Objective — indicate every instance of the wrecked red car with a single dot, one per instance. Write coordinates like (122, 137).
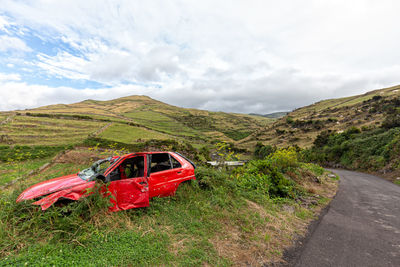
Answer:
(132, 179)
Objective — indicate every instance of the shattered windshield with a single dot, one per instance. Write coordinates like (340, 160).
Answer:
(99, 167)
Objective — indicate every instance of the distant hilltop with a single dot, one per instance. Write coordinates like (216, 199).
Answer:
(274, 115)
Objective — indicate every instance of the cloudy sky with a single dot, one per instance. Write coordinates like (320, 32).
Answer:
(239, 56)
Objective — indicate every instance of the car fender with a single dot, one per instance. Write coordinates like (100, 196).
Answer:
(71, 193)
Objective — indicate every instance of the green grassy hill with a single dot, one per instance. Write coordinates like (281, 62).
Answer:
(302, 126)
(129, 120)
(227, 217)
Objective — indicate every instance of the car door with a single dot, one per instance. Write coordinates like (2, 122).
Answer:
(128, 193)
(160, 171)
(166, 173)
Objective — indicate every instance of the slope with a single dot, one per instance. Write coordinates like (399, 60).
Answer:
(301, 126)
(129, 119)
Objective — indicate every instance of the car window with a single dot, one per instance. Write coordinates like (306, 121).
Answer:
(129, 168)
(175, 163)
(134, 167)
(160, 162)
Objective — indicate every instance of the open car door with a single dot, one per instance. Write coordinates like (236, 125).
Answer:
(128, 184)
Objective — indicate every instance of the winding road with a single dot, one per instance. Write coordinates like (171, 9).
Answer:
(361, 227)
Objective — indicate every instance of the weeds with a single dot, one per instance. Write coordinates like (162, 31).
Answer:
(182, 230)
(21, 153)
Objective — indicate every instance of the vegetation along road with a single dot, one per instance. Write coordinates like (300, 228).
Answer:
(361, 228)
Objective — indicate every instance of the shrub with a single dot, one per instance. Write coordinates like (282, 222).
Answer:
(371, 149)
(391, 121)
(284, 159)
(322, 139)
(279, 131)
(261, 151)
(209, 178)
(263, 176)
(289, 120)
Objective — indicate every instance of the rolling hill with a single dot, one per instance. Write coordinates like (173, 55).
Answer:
(224, 218)
(301, 126)
(130, 120)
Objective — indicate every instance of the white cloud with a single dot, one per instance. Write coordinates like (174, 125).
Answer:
(247, 56)
(8, 43)
(284, 89)
(3, 23)
(9, 77)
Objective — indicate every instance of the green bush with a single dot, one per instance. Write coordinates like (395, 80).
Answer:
(392, 121)
(284, 159)
(261, 151)
(371, 149)
(210, 178)
(267, 175)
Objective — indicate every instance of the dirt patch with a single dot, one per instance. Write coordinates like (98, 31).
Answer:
(78, 157)
(391, 176)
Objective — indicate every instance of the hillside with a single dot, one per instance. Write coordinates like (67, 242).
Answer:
(227, 217)
(301, 126)
(129, 120)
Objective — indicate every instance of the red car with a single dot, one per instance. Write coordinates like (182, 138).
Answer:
(132, 180)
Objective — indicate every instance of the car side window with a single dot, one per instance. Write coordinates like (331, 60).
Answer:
(129, 168)
(175, 163)
(160, 162)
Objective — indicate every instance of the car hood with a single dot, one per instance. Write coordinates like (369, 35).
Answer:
(51, 186)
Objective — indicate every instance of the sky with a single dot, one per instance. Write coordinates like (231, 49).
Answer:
(243, 56)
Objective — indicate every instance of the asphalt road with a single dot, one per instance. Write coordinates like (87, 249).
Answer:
(361, 227)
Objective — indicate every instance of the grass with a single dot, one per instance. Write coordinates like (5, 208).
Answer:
(12, 171)
(27, 130)
(208, 222)
(161, 122)
(130, 134)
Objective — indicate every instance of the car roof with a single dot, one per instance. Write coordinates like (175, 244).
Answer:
(145, 153)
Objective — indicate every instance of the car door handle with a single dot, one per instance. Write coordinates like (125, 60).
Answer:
(179, 172)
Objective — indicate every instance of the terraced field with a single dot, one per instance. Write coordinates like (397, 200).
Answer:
(26, 130)
(160, 122)
(134, 119)
(130, 134)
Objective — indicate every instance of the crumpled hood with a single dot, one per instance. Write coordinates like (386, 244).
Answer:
(51, 186)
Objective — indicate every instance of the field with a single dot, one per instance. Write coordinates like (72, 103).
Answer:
(130, 134)
(133, 118)
(209, 222)
(26, 130)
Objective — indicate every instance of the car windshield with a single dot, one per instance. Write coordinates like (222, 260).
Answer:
(99, 167)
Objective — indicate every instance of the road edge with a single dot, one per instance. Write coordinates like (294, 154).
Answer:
(292, 254)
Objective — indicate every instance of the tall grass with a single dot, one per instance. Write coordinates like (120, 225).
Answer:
(179, 230)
